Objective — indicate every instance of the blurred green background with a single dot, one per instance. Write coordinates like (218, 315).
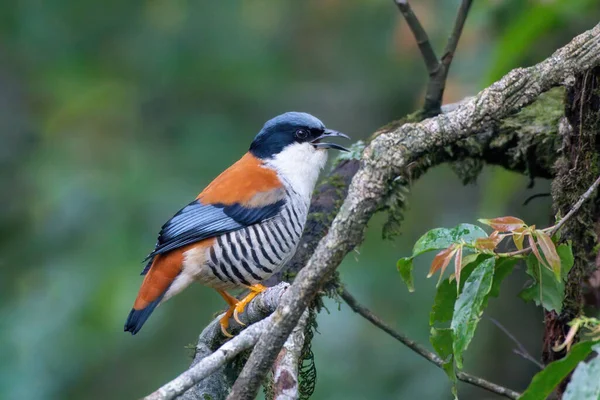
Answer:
(114, 114)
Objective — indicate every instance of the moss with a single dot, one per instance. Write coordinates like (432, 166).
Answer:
(467, 169)
(289, 276)
(542, 116)
(319, 217)
(340, 186)
(336, 182)
(355, 153)
(577, 168)
(417, 116)
(307, 369)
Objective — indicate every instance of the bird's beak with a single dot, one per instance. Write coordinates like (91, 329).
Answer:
(327, 134)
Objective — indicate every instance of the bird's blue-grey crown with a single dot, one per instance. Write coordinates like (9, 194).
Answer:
(290, 128)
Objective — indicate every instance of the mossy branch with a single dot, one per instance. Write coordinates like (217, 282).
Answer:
(388, 156)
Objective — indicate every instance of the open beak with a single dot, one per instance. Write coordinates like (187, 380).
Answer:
(327, 134)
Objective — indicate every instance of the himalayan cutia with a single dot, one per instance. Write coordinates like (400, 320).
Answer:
(245, 225)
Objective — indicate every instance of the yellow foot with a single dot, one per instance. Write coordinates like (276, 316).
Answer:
(241, 305)
(224, 321)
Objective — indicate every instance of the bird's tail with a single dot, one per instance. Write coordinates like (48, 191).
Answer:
(137, 318)
(160, 276)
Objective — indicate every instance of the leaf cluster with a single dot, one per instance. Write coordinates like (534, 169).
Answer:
(479, 269)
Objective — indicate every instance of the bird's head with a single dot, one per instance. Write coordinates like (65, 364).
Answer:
(294, 133)
(295, 144)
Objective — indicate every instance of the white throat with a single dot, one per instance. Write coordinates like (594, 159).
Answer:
(299, 165)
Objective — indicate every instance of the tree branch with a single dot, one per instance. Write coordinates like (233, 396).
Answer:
(388, 156)
(212, 355)
(431, 60)
(285, 369)
(437, 83)
(525, 142)
(211, 363)
(422, 351)
(437, 69)
(459, 23)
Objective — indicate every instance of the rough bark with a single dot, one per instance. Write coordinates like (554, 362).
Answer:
(212, 372)
(388, 156)
(285, 369)
(577, 168)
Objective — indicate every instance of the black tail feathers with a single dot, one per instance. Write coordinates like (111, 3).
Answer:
(137, 318)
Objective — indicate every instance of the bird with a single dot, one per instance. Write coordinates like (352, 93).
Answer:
(245, 225)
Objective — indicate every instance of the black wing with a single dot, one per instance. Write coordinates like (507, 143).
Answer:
(197, 221)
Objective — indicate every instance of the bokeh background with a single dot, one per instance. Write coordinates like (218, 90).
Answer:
(114, 114)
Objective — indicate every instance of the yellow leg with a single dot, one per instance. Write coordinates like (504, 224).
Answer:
(224, 321)
(241, 305)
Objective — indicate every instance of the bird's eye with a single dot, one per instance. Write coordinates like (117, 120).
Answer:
(301, 134)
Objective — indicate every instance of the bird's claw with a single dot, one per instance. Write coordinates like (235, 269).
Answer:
(224, 322)
(237, 307)
(236, 315)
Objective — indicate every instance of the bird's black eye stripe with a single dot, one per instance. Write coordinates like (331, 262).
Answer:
(302, 134)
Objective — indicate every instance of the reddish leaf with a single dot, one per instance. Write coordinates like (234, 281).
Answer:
(441, 260)
(549, 251)
(536, 252)
(458, 265)
(490, 242)
(504, 224)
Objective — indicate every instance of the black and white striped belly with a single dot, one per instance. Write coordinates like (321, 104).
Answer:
(251, 255)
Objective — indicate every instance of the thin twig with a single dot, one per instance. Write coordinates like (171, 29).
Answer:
(576, 206)
(422, 351)
(521, 351)
(535, 196)
(437, 83)
(431, 60)
(459, 23)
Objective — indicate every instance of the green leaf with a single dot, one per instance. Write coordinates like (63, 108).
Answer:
(585, 382)
(504, 267)
(405, 268)
(443, 304)
(441, 238)
(450, 370)
(469, 258)
(441, 340)
(468, 268)
(565, 253)
(469, 306)
(544, 382)
(445, 297)
(546, 290)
